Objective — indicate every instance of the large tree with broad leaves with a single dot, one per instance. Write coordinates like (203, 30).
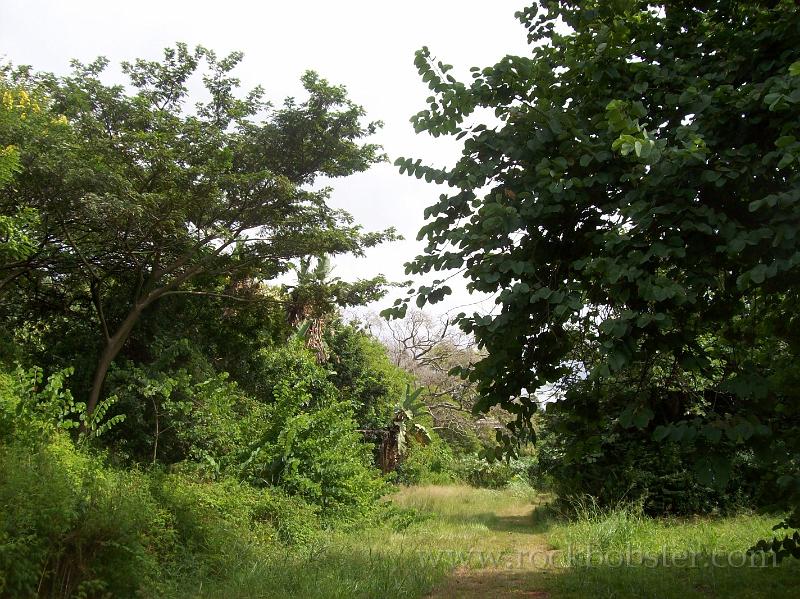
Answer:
(634, 207)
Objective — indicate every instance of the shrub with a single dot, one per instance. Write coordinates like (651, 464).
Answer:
(431, 464)
(306, 440)
(633, 468)
(495, 474)
(219, 524)
(70, 525)
(178, 408)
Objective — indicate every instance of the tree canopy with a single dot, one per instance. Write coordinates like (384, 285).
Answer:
(634, 209)
(140, 196)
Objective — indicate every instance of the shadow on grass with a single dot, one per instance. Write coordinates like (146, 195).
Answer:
(537, 521)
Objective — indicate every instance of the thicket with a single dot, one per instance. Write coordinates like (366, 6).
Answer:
(165, 415)
(224, 479)
(232, 477)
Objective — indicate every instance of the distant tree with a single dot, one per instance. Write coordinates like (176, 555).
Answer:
(316, 298)
(143, 197)
(360, 368)
(634, 206)
(430, 348)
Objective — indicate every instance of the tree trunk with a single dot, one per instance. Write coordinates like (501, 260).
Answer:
(112, 348)
(115, 342)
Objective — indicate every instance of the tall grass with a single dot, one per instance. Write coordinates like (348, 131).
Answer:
(336, 571)
(622, 553)
(388, 560)
(591, 528)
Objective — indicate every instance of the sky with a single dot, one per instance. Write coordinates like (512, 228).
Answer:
(367, 46)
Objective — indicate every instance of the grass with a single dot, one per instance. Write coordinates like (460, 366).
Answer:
(452, 527)
(338, 570)
(466, 542)
(622, 553)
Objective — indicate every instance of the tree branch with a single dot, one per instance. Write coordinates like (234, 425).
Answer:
(98, 306)
(212, 294)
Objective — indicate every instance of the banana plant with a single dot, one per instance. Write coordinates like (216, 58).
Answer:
(311, 303)
(405, 417)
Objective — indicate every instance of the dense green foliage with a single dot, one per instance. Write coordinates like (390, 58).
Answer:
(192, 421)
(365, 377)
(174, 423)
(182, 425)
(75, 526)
(140, 198)
(306, 441)
(634, 208)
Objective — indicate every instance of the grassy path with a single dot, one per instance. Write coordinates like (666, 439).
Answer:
(457, 542)
(503, 544)
(498, 549)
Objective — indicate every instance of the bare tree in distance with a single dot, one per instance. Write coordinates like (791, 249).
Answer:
(429, 347)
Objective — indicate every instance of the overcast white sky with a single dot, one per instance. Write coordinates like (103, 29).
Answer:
(368, 46)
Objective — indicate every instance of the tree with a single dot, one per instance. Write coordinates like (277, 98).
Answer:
(141, 197)
(429, 349)
(317, 296)
(18, 111)
(361, 370)
(634, 208)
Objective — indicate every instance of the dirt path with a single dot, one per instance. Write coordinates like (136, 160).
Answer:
(498, 547)
(509, 562)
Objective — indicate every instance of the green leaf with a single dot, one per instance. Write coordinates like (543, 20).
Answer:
(758, 274)
(712, 433)
(626, 417)
(642, 417)
(661, 432)
(785, 160)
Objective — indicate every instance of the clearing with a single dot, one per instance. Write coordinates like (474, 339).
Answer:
(456, 541)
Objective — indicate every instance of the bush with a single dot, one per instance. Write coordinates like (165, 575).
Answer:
(633, 468)
(495, 474)
(306, 440)
(70, 526)
(219, 524)
(178, 408)
(295, 433)
(32, 408)
(431, 464)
